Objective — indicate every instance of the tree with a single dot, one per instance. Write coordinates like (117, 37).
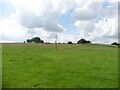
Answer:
(35, 40)
(88, 41)
(42, 41)
(115, 43)
(70, 42)
(83, 41)
(47, 43)
(28, 40)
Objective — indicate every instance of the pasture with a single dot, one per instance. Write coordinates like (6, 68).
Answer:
(71, 66)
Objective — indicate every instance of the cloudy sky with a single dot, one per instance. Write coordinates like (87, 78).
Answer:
(71, 20)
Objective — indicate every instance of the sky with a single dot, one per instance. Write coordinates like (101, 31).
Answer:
(71, 20)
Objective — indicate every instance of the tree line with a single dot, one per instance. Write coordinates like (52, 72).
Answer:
(81, 41)
(38, 40)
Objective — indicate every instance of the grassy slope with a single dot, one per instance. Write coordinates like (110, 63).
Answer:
(76, 66)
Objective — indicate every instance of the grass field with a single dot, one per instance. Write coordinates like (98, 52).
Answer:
(71, 66)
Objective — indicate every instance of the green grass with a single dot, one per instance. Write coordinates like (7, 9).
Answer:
(71, 66)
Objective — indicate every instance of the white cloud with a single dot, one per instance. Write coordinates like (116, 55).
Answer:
(90, 10)
(97, 24)
(62, 37)
(39, 13)
(40, 18)
(11, 31)
(106, 30)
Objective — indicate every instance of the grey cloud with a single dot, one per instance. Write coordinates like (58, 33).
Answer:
(111, 10)
(49, 21)
(30, 20)
(112, 36)
(53, 27)
(91, 12)
(105, 39)
(83, 15)
(52, 35)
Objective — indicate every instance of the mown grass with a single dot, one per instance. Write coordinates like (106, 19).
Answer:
(71, 66)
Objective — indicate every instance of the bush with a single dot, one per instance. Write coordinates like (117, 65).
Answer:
(115, 43)
(35, 40)
(83, 41)
(28, 40)
(70, 42)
